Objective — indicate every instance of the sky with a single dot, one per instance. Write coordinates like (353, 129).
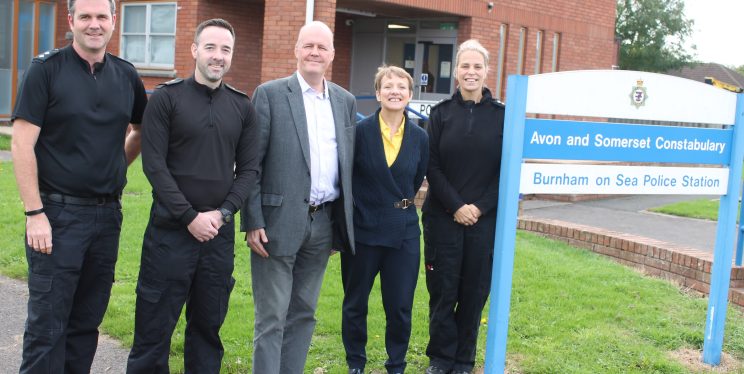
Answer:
(717, 32)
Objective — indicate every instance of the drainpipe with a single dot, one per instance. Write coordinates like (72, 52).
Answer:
(309, 9)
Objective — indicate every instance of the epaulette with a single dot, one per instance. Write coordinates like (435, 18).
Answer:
(236, 90)
(170, 82)
(119, 59)
(447, 100)
(43, 57)
(498, 103)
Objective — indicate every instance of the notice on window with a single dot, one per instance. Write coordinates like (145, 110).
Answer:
(444, 69)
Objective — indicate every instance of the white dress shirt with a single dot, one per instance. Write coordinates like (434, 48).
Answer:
(321, 131)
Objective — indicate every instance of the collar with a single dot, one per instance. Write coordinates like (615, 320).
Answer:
(486, 96)
(206, 89)
(97, 67)
(385, 128)
(305, 87)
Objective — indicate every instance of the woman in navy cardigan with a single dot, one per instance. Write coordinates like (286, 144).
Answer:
(390, 160)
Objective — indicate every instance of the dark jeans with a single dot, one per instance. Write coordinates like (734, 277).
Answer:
(398, 269)
(175, 269)
(458, 276)
(69, 289)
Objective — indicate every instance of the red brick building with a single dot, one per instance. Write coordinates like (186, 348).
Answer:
(526, 36)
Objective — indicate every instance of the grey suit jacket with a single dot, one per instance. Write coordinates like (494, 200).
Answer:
(279, 199)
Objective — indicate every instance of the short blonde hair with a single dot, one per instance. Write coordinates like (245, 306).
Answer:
(389, 71)
(471, 45)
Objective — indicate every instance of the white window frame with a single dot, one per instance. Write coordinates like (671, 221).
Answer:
(147, 34)
(556, 50)
(503, 34)
(520, 53)
(538, 51)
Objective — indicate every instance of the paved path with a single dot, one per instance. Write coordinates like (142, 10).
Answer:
(628, 214)
(110, 358)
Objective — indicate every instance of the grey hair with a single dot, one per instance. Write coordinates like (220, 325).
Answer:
(71, 6)
(472, 45)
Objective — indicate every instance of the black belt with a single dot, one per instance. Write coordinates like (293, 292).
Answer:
(75, 200)
(314, 208)
(403, 204)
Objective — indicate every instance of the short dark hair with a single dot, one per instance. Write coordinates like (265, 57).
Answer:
(216, 22)
(71, 6)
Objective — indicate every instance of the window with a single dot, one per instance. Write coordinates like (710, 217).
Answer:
(148, 34)
(520, 55)
(538, 51)
(503, 34)
(556, 50)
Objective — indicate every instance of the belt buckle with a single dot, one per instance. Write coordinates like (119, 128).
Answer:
(314, 208)
(403, 204)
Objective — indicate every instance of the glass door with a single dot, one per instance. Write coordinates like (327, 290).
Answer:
(434, 63)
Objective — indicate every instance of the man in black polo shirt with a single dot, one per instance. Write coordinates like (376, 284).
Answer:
(199, 154)
(70, 159)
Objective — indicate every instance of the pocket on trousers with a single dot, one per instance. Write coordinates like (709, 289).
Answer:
(150, 292)
(40, 311)
(225, 299)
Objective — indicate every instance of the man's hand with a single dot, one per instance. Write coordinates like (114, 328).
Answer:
(466, 216)
(39, 233)
(205, 226)
(256, 239)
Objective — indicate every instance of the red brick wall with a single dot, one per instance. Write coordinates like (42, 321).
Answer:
(266, 33)
(247, 19)
(342, 40)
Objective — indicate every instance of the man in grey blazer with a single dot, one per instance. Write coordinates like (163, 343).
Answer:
(300, 209)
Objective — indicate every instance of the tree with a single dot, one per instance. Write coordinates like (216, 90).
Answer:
(739, 69)
(652, 34)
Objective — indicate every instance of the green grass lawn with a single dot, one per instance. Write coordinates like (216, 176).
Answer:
(4, 142)
(699, 208)
(572, 311)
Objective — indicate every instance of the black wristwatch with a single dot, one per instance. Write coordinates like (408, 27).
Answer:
(227, 215)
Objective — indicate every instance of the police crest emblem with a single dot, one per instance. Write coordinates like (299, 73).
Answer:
(638, 94)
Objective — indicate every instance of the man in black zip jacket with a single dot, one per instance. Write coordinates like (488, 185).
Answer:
(198, 155)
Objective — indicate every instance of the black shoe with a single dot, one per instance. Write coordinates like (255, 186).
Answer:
(435, 370)
(356, 371)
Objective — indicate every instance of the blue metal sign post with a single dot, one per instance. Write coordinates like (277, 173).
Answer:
(624, 94)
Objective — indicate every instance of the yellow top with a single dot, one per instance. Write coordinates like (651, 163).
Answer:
(392, 146)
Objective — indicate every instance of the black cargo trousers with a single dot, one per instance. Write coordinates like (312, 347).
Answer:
(458, 261)
(176, 269)
(69, 289)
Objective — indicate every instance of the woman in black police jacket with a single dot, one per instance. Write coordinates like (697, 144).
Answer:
(459, 214)
(390, 160)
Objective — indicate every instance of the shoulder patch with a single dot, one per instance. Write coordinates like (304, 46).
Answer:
(170, 82)
(233, 89)
(43, 57)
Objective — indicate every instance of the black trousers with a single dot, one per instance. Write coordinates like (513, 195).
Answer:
(69, 289)
(398, 269)
(176, 269)
(458, 262)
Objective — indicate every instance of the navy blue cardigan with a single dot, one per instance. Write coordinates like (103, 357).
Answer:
(376, 187)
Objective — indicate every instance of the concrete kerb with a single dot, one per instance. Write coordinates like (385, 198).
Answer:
(687, 267)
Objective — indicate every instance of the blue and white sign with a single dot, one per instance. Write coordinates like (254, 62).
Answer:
(616, 94)
(424, 81)
(625, 180)
(569, 140)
